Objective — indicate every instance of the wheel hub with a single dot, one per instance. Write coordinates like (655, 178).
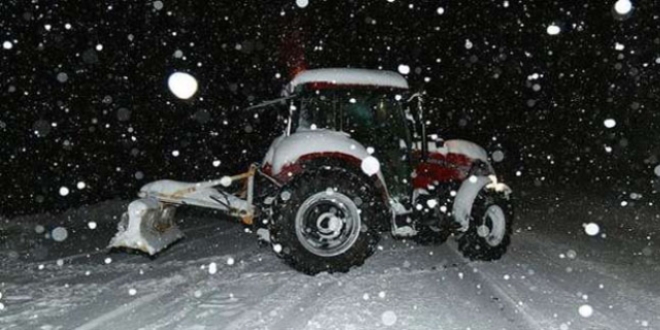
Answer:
(327, 223)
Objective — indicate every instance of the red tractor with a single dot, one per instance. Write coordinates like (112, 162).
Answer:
(354, 160)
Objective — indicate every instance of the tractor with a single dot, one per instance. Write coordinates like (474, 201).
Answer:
(354, 161)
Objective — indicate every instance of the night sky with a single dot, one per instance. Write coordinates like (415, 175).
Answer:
(84, 97)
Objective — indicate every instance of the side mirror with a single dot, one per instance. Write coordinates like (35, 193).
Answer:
(419, 118)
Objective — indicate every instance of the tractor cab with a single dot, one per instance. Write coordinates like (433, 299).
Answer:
(367, 105)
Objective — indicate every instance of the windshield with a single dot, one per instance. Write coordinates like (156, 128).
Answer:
(374, 119)
(354, 113)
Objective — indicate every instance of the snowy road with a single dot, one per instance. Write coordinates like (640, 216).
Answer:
(551, 275)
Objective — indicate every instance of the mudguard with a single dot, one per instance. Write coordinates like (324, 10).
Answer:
(467, 193)
(287, 152)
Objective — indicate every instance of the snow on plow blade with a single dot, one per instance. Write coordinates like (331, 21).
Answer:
(148, 226)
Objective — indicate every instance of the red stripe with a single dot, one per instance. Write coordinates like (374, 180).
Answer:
(290, 170)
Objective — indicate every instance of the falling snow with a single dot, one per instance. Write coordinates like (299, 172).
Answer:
(213, 268)
(586, 311)
(498, 156)
(553, 29)
(623, 7)
(609, 123)
(64, 191)
(226, 181)
(592, 229)
(62, 77)
(59, 234)
(302, 3)
(182, 85)
(388, 318)
(370, 165)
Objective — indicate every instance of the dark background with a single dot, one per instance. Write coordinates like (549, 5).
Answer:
(117, 124)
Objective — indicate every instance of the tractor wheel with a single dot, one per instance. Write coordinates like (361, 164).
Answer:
(489, 233)
(326, 220)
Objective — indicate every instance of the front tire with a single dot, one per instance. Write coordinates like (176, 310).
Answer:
(489, 233)
(326, 220)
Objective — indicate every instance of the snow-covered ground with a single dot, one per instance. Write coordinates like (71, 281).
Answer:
(555, 276)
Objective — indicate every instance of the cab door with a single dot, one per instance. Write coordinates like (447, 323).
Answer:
(377, 121)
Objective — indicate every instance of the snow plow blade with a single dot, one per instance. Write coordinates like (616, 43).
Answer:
(148, 226)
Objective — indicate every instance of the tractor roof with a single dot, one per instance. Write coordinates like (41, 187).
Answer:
(337, 78)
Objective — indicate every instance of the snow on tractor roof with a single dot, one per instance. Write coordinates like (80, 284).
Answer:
(349, 77)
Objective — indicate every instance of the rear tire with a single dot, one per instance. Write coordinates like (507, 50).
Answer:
(326, 220)
(489, 233)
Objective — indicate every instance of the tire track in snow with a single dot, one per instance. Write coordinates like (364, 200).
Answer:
(220, 302)
(124, 307)
(565, 290)
(298, 315)
(282, 305)
(175, 301)
(185, 301)
(528, 319)
(110, 317)
(48, 312)
(109, 277)
(618, 300)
